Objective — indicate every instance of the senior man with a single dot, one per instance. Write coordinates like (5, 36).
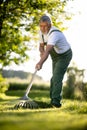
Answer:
(54, 43)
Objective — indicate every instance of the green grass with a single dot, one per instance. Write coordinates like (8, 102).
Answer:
(71, 116)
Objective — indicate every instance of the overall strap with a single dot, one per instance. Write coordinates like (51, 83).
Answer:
(49, 34)
(54, 31)
(45, 43)
(43, 38)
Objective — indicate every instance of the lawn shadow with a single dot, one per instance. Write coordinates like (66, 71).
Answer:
(42, 104)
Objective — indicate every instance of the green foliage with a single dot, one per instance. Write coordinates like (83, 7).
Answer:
(3, 85)
(19, 25)
(83, 91)
(68, 92)
(75, 87)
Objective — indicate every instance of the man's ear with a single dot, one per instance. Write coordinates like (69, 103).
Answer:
(49, 26)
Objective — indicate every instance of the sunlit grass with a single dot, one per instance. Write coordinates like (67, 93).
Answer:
(5, 97)
(71, 116)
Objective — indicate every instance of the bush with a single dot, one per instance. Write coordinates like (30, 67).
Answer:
(68, 92)
(3, 85)
(17, 86)
(23, 86)
(85, 91)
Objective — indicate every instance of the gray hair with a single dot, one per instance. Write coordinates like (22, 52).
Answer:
(45, 18)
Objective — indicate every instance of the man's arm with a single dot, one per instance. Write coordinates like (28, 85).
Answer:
(44, 56)
(41, 49)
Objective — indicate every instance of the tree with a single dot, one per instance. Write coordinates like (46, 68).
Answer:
(20, 16)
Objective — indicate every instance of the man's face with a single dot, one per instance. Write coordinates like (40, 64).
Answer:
(44, 27)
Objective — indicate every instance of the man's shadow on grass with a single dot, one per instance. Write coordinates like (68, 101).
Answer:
(43, 104)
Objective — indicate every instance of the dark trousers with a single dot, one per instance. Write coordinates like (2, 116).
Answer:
(60, 63)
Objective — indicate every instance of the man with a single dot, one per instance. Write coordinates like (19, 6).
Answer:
(54, 43)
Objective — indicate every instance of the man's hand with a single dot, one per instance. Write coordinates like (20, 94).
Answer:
(38, 66)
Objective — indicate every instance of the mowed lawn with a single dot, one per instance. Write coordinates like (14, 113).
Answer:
(71, 116)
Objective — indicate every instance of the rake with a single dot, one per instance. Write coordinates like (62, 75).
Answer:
(25, 101)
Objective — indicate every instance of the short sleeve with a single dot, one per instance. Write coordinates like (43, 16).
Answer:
(53, 38)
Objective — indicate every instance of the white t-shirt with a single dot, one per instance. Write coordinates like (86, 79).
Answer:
(57, 39)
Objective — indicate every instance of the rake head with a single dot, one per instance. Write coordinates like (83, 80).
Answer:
(26, 104)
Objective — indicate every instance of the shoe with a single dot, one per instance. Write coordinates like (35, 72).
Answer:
(56, 105)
